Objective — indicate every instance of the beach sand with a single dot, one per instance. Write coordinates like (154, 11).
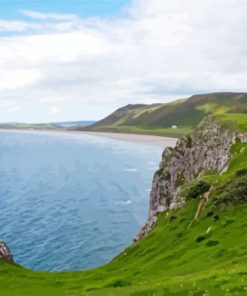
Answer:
(145, 139)
(157, 141)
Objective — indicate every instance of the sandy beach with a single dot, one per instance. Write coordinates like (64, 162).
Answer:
(145, 139)
(157, 141)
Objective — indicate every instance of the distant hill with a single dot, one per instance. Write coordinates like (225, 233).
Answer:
(52, 125)
(31, 126)
(74, 123)
(176, 118)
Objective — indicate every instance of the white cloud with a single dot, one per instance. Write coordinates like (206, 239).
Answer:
(52, 99)
(17, 26)
(12, 79)
(48, 16)
(88, 67)
(54, 110)
(13, 110)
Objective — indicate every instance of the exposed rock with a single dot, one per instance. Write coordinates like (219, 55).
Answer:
(5, 253)
(206, 150)
(243, 137)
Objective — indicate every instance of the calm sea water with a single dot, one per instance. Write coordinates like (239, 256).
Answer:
(70, 202)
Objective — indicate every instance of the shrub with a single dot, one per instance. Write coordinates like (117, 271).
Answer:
(198, 189)
(210, 214)
(216, 218)
(232, 192)
(172, 218)
(242, 172)
(200, 238)
(212, 243)
(118, 283)
(228, 222)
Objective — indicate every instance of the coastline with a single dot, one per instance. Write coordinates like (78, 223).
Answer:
(157, 141)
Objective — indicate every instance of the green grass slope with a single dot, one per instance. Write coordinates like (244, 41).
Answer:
(185, 114)
(181, 256)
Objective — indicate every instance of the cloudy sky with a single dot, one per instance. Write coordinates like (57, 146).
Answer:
(81, 59)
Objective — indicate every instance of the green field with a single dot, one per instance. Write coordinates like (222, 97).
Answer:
(168, 132)
(158, 119)
(240, 120)
(180, 256)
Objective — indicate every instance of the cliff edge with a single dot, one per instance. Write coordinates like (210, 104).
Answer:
(207, 149)
(5, 253)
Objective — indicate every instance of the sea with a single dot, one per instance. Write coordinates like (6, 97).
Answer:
(72, 201)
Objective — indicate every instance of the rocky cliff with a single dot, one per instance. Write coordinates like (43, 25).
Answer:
(206, 150)
(5, 253)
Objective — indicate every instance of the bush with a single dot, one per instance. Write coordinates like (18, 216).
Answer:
(198, 189)
(212, 243)
(232, 192)
(216, 218)
(200, 238)
(228, 222)
(118, 284)
(241, 173)
(172, 218)
(210, 214)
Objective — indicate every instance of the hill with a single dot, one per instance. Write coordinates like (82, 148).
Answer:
(25, 126)
(196, 244)
(183, 115)
(66, 125)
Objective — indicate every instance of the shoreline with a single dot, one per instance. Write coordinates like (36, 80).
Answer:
(157, 141)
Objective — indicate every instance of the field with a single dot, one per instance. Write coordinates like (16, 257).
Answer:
(168, 132)
(240, 120)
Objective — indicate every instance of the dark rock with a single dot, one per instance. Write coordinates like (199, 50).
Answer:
(5, 253)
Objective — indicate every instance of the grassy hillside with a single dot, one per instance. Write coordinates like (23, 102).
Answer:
(185, 114)
(181, 256)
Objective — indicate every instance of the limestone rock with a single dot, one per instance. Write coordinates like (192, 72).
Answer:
(5, 253)
(206, 150)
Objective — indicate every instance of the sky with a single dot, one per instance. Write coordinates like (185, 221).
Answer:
(82, 59)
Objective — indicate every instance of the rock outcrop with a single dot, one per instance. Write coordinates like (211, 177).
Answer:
(5, 253)
(208, 149)
(243, 137)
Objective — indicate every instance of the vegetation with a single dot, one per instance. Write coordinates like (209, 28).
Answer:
(182, 115)
(240, 120)
(168, 132)
(173, 119)
(198, 189)
(206, 258)
(232, 192)
(67, 125)
(25, 126)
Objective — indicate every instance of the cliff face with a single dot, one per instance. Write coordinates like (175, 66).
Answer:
(206, 150)
(5, 253)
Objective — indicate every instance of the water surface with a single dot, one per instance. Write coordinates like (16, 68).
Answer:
(71, 202)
